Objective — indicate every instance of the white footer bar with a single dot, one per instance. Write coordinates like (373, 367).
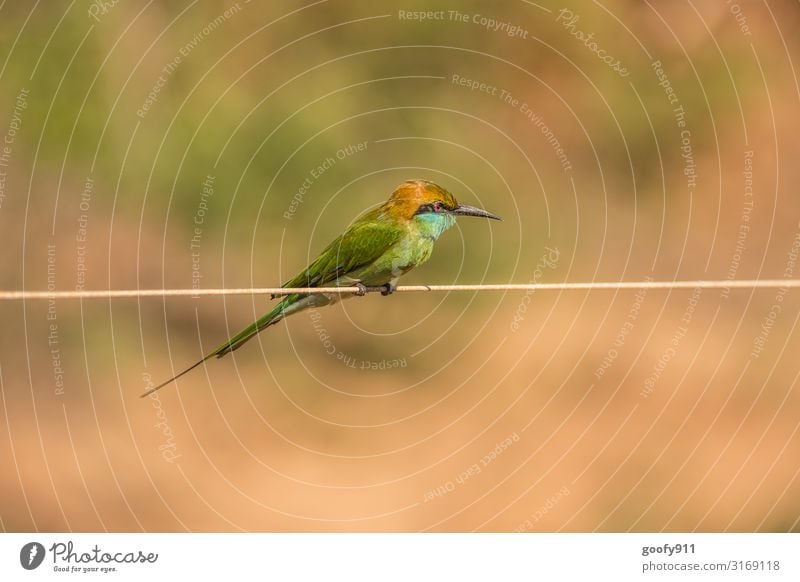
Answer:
(415, 557)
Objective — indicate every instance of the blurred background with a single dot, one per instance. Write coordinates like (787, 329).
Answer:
(210, 144)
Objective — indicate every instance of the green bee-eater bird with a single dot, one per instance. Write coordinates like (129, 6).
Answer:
(375, 251)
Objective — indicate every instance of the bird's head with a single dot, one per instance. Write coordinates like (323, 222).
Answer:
(430, 205)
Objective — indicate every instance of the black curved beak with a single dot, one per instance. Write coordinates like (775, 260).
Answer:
(466, 210)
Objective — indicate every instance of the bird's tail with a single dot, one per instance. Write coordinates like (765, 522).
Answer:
(236, 341)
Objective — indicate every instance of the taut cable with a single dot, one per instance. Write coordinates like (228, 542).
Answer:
(136, 293)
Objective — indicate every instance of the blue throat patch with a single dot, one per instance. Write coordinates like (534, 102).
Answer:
(432, 224)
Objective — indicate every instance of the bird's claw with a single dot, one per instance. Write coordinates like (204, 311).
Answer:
(362, 289)
(388, 289)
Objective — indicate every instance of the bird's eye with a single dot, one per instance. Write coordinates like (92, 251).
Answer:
(437, 207)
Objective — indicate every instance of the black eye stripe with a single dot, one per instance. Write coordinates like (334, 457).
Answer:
(435, 207)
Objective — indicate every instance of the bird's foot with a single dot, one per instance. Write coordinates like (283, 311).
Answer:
(362, 289)
(388, 289)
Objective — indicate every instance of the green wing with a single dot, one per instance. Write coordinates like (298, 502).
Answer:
(361, 244)
(364, 242)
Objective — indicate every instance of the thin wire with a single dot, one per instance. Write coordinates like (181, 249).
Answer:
(136, 293)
